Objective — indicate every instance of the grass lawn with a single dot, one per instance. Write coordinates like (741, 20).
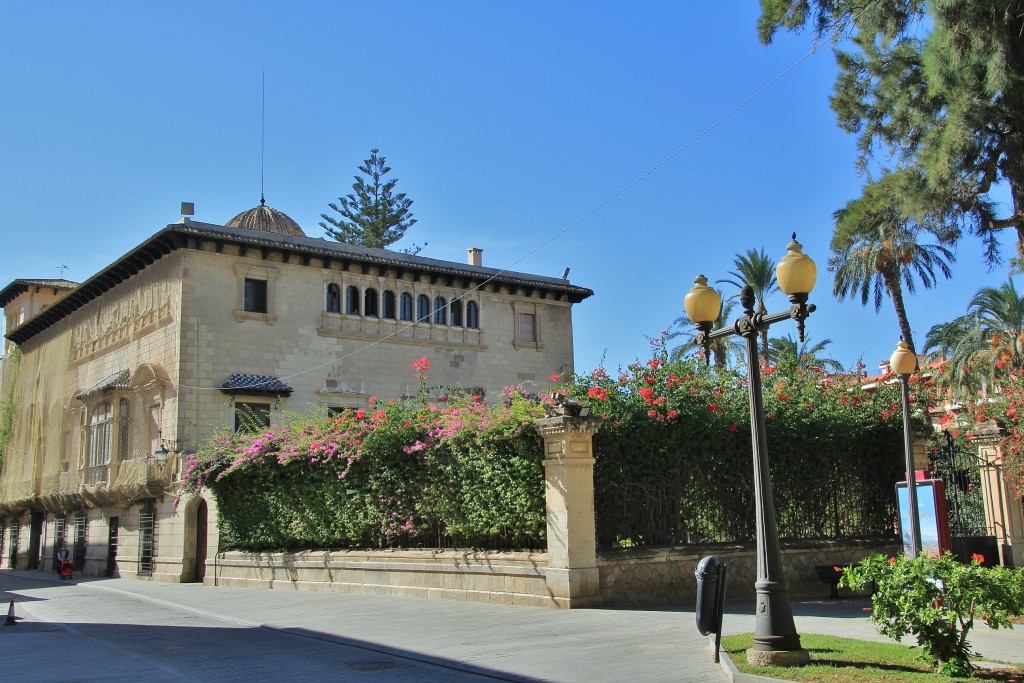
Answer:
(844, 660)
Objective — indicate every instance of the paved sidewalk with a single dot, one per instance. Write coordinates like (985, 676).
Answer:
(494, 641)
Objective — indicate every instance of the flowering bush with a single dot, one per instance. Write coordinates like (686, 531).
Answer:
(398, 474)
(673, 455)
(937, 599)
(1005, 403)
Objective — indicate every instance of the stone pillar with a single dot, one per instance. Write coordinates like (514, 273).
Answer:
(1004, 512)
(572, 576)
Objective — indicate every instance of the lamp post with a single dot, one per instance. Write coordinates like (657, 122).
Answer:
(776, 642)
(903, 362)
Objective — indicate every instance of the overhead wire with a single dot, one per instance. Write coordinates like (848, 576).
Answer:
(589, 214)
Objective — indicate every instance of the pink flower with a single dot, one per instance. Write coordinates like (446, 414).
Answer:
(422, 365)
(556, 376)
(360, 414)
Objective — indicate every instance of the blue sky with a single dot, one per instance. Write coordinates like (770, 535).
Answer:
(508, 124)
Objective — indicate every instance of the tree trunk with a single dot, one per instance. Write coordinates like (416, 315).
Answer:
(892, 285)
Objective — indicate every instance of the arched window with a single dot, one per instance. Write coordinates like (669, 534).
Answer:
(370, 302)
(440, 310)
(352, 300)
(387, 304)
(423, 309)
(333, 303)
(456, 308)
(472, 315)
(405, 308)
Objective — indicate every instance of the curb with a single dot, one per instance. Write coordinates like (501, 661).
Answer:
(731, 672)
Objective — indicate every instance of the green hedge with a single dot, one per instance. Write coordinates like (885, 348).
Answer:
(674, 458)
(673, 464)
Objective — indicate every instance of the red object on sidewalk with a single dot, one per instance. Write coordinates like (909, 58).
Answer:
(66, 569)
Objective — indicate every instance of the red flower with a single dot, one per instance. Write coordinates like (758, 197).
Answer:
(733, 427)
(421, 365)
(892, 560)
(653, 363)
(672, 413)
(652, 412)
(646, 393)
(555, 376)
(360, 414)
(977, 557)
(598, 393)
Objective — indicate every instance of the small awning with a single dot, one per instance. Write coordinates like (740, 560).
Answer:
(119, 380)
(238, 383)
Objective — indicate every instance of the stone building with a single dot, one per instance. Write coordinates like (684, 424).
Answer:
(202, 324)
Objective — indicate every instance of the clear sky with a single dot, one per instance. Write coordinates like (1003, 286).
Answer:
(510, 124)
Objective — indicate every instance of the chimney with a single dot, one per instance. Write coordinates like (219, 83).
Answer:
(475, 257)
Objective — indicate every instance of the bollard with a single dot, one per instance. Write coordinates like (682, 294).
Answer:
(10, 615)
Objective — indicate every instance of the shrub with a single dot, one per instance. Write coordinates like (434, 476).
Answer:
(937, 599)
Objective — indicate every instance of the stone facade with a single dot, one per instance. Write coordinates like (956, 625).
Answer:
(121, 375)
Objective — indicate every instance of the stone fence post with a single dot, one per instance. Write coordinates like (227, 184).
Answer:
(572, 575)
(1004, 512)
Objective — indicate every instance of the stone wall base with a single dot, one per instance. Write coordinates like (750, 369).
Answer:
(649, 576)
(634, 576)
(510, 578)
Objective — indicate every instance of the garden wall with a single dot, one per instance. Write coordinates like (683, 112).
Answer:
(628, 577)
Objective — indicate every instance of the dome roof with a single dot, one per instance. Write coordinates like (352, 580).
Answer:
(267, 219)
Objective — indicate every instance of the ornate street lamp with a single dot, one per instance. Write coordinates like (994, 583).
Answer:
(776, 642)
(903, 362)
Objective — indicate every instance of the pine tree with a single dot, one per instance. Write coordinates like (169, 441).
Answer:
(936, 86)
(372, 215)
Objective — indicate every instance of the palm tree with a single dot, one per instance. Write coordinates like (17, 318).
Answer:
(982, 341)
(876, 251)
(787, 351)
(723, 350)
(756, 269)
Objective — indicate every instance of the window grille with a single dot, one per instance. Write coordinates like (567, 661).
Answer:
(124, 418)
(147, 533)
(13, 545)
(251, 417)
(78, 552)
(59, 530)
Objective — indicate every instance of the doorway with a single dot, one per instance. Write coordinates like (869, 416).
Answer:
(202, 516)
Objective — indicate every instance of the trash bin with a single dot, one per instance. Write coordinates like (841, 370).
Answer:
(710, 575)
